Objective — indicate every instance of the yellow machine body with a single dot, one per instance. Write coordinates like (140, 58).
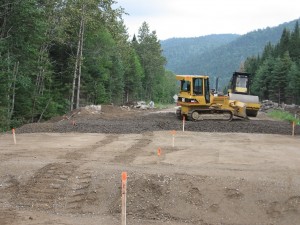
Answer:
(198, 103)
(239, 89)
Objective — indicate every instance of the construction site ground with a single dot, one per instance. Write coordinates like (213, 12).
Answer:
(67, 171)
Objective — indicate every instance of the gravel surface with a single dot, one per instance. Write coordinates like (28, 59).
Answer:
(137, 122)
(68, 170)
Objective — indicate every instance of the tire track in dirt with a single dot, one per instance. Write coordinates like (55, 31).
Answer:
(8, 189)
(130, 154)
(61, 186)
(84, 152)
(290, 207)
(45, 190)
(8, 216)
(79, 194)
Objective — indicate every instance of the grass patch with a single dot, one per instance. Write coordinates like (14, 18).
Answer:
(283, 115)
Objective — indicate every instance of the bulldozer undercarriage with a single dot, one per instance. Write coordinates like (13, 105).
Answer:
(207, 114)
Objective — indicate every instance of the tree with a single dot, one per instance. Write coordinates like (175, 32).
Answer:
(150, 53)
(25, 68)
(293, 87)
(56, 55)
(279, 80)
(262, 80)
(294, 45)
(134, 74)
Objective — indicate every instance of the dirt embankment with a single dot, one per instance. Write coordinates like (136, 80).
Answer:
(122, 121)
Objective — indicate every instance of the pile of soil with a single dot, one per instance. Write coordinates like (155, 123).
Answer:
(124, 121)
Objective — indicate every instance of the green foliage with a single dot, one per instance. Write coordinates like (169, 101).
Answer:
(276, 72)
(150, 54)
(283, 115)
(221, 58)
(279, 78)
(180, 51)
(39, 50)
(262, 80)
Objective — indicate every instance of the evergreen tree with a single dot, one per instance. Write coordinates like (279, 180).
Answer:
(282, 85)
(293, 87)
(279, 80)
(283, 44)
(60, 53)
(294, 45)
(268, 51)
(262, 80)
(133, 78)
(150, 53)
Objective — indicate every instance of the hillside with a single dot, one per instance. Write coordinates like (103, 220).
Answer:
(179, 50)
(224, 59)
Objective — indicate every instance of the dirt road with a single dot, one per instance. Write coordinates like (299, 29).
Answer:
(206, 178)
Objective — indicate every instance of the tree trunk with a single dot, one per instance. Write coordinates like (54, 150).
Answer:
(41, 116)
(39, 82)
(80, 58)
(75, 73)
(15, 73)
(77, 69)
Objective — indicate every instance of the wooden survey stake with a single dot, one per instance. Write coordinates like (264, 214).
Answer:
(124, 187)
(14, 135)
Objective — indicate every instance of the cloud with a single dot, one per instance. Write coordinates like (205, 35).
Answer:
(140, 8)
(190, 18)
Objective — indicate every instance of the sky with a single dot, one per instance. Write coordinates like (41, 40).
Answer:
(194, 18)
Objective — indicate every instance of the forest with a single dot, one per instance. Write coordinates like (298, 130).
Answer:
(276, 72)
(219, 55)
(59, 55)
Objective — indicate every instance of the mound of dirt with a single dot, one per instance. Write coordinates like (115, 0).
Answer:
(111, 119)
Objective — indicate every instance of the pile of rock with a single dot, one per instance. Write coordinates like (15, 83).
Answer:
(268, 105)
(143, 105)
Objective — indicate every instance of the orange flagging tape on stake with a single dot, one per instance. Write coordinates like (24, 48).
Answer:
(158, 151)
(14, 135)
(124, 187)
(124, 176)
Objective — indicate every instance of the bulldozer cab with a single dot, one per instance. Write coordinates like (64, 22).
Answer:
(240, 83)
(194, 86)
(239, 89)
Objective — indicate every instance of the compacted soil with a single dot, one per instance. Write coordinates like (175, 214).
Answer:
(68, 170)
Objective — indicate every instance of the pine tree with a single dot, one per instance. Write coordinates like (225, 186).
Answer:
(133, 77)
(294, 45)
(150, 53)
(280, 78)
(283, 44)
(293, 87)
(262, 80)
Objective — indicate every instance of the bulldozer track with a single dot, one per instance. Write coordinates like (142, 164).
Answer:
(45, 190)
(209, 114)
(135, 150)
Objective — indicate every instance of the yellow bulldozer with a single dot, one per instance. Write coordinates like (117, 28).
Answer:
(239, 89)
(197, 102)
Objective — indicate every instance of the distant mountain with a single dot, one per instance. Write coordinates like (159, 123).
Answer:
(180, 50)
(196, 56)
